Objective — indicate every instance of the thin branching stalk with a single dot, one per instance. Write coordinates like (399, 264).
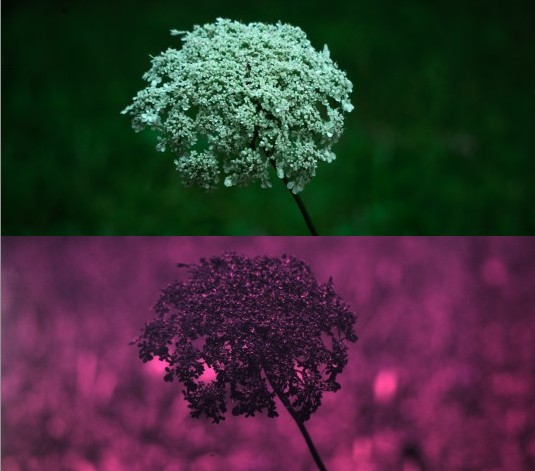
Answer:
(301, 425)
(301, 206)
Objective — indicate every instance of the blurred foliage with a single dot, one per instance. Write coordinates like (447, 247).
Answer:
(439, 142)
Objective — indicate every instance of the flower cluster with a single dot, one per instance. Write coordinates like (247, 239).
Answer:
(254, 94)
(262, 327)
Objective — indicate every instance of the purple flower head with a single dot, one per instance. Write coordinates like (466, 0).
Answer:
(262, 326)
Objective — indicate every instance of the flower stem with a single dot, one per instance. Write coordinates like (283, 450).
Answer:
(310, 443)
(304, 212)
(301, 206)
(301, 425)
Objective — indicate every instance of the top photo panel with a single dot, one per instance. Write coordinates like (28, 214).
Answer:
(267, 118)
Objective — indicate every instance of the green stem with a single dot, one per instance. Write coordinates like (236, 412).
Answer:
(300, 205)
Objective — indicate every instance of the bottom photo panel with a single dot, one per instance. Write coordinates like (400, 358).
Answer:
(268, 353)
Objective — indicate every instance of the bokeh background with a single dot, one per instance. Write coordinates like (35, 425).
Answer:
(441, 140)
(441, 379)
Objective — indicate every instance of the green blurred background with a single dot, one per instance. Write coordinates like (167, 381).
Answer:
(441, 140)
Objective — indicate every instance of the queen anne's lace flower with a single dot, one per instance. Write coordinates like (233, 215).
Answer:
(263, 326)
(255, 93)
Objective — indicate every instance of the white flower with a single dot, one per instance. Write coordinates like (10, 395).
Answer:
(347, 106)
(329, 156)
(256, 92)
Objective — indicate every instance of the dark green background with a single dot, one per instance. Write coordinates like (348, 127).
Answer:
(441, 140)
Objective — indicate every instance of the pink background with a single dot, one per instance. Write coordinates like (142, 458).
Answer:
(441, 378)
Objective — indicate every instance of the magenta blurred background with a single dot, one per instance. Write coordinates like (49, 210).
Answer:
(441, 378)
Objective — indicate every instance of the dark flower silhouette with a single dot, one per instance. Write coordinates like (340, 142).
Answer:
(264, 326)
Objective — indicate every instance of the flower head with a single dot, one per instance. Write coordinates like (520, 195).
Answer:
(256, 94)
(263, 326)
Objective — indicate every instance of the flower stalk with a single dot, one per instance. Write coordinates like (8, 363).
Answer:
(308, 439)
(300, 205)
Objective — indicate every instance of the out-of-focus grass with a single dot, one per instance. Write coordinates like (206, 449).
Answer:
(440, 141)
